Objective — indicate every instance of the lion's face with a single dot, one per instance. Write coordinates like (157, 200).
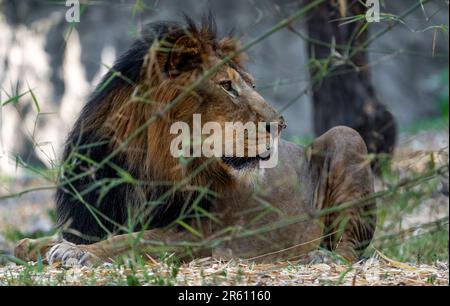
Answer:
(231, 99)
(227, 98)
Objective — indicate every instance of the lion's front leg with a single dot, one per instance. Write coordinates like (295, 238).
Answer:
(31, 249)
(52, 250)
(70, 254)
(152, 242)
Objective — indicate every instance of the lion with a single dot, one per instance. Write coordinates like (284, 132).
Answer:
(120, 190)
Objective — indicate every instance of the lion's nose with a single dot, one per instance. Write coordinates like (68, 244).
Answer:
(281, 124)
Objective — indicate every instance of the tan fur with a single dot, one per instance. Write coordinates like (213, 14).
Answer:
(334, 171)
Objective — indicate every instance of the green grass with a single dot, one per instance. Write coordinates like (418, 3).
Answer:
(424, 248)
(430, 124)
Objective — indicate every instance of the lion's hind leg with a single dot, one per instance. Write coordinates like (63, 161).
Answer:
(344, 177)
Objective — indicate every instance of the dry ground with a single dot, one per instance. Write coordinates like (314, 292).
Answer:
(207, 271)
(29, 214)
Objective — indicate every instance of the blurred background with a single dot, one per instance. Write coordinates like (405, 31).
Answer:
(61, 62)
(48, 68)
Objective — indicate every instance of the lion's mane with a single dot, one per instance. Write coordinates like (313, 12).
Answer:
(116, 171)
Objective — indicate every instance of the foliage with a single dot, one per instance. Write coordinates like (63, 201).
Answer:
(405, 190)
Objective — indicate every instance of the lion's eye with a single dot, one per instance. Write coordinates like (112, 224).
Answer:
(227, 85)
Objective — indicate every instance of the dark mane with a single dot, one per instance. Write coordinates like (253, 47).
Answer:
(104, 192)
(128, 66)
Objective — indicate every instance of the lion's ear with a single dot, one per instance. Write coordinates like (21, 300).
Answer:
(185, 55)
(230, 45)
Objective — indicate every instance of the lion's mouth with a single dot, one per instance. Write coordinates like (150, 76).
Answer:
(240, 163)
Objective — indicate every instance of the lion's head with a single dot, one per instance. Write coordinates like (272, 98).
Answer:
(185, 70)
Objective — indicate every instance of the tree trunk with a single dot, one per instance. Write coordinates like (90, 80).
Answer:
(346, 96)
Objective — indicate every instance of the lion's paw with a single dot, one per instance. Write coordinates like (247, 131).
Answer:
(322, 257)
(70, 255)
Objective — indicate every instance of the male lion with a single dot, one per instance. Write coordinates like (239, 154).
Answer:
(122, 190)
